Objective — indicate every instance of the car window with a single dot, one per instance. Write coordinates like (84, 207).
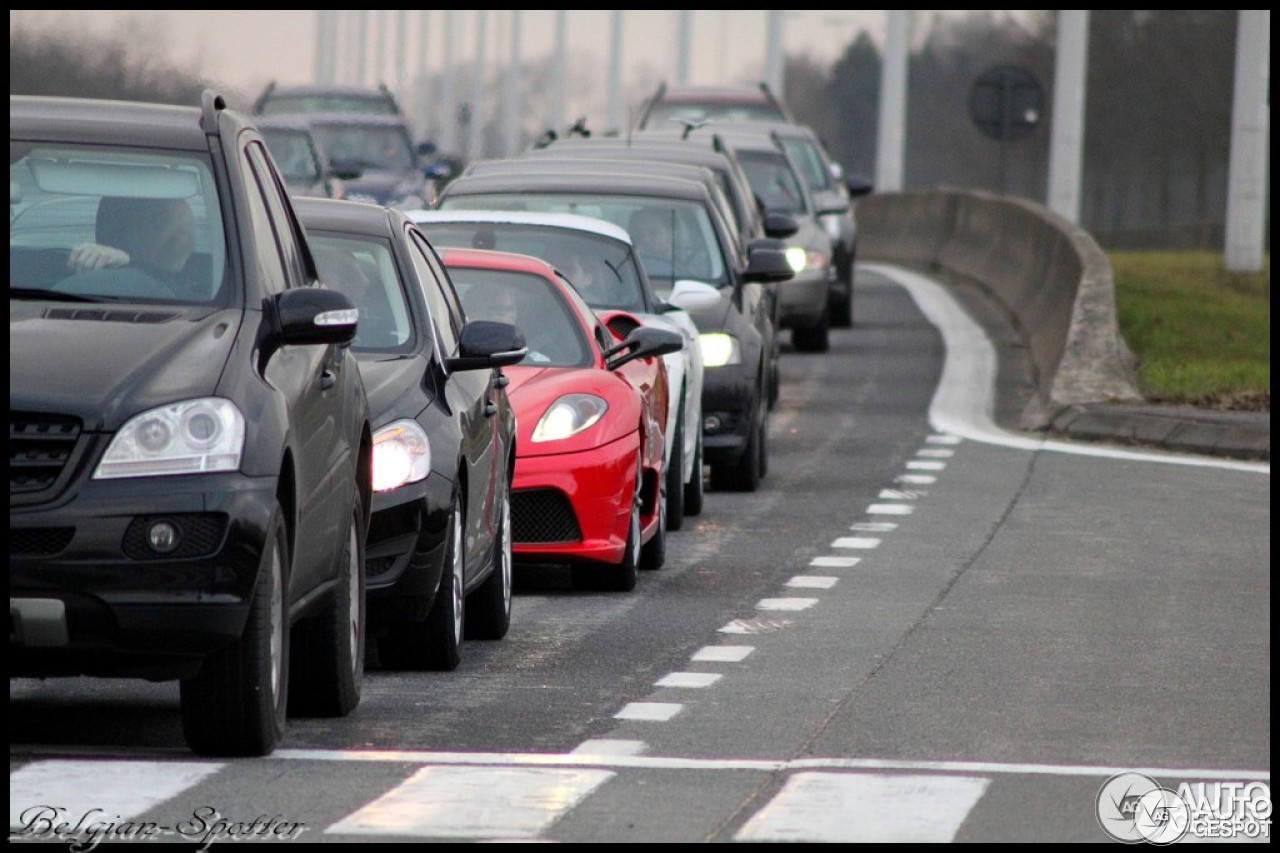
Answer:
(365, 270)
(668, 112)
(115, 225)
(282, 104)
(288, 231)
(293, 152)
(446, 313)
(809, 160)
(368, 146)
(773, 181)
(533, 304)
(691, 250)
(603, 269)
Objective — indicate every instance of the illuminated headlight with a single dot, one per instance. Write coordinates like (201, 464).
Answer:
(401, 454)
(801, 259)
(193, 437)
(719, 349)
(568, 416)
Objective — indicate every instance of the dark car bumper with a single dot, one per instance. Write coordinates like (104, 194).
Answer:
(730, 400)
(89, 595)
(405, 550)
(802, 301)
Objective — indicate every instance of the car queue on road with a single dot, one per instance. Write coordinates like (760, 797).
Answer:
(335, 489)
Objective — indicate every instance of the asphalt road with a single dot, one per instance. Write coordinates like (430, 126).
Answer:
(920, 628)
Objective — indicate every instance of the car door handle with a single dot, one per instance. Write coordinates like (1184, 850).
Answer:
(490, 408)
(327, 380)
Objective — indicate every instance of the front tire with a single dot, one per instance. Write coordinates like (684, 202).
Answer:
(237, 704)
(622, 577)
(693, 490)
(654, 552)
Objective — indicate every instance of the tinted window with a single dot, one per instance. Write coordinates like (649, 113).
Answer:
(534, 305)
(386, 147)
(365, 270)
(773, 180)
(436, 288)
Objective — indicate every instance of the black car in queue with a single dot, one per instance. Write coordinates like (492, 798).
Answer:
(438, 556)
(736, 327)
(189, 438)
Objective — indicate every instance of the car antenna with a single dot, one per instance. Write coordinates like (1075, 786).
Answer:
(690, 125)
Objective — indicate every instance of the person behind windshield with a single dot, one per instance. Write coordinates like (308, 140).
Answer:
(155, 236)
(653, 234)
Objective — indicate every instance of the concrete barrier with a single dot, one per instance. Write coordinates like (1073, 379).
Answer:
(1051, 275)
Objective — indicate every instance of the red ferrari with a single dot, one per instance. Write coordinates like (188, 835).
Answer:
(591, 405)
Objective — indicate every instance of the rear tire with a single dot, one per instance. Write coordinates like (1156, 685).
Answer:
(488, 609)
(654, 552)
(236, 705)
(327, 654)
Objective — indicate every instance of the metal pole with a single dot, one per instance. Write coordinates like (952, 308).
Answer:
(773, 54)
(1066, 141)
(558, 107)
(449, 97)
(684, 39)
(1247, 183)
(890, 143)
(424, 76)
(513, 105)
(475, 127)
(613, 112)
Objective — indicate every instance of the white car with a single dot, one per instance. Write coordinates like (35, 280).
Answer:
(598, 259)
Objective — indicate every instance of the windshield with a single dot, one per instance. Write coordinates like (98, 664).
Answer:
(673, 238)
(551, 327)
(293, 152)
(672, 112)
(773, 181)
(384, 147)
(279, 104)
(114, 224)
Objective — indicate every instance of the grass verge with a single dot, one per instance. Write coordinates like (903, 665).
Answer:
(1201, 335)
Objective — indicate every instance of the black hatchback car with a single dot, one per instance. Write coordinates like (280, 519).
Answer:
(735, 324)
(189, 437)
(443, 437)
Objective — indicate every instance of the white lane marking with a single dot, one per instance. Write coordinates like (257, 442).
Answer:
(859, 542)
(915, 479)
(835, 807)
(723, 654)
(688, 679)
(466, 802)
(890, 509)
(655, 762)
(812, 582)
(102, 791)
(658, 712)
(874, 526)
(835, 562)
(944, 439)
(609, 746)
(935, 452)
(785, 603)
(755, 625)
(963, 404)
(925, 465)
(900, 495)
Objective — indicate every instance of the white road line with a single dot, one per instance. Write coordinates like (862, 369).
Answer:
(874, 526)
(835, 562)
(857, 542)
(812, 582)
(609, 746)
(935, 453)
(658, 712)
(843, 807)
(465, 802)
(899, 495)
(117, 790)
(688, 679)
(785, 603)
(944, 439)
(963, 404)
(924, 465)
(724, 654)
(915, 479)
(890, 509)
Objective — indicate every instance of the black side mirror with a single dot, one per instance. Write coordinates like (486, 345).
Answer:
(643, 342)
(779, 225)
(486, 344)
(767, 262)
(858, 185)
(316, 315)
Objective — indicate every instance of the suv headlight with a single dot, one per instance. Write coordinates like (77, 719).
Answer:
(719, 349)
(401, 454)
(192, 437)
(802, 259)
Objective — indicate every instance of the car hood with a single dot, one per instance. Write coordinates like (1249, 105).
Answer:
(394, 386)
(532, 390)
(105, 364)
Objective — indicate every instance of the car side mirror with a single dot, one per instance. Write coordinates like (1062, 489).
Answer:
(767, 262)
(689, 295)
(779, 225)
(643, 342)
(859, 186)
(485, 344)
(316, 315)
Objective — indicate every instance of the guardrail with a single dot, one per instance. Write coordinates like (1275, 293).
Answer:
(1051, 275)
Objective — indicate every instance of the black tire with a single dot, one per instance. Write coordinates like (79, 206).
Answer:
(327, 652)
(814, 337)
(693, 490)
(764, 446)
(237, 704)
(774, 381)
(675, 511)
(654, 552)
(446, 622)
(842, 300)
(488, 609)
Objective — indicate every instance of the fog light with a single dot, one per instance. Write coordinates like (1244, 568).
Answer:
(162, 537)
(711, 423)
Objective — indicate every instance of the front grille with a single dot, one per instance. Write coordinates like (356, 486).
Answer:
(199, 535)
(39, 449)
(541, 516)
(39, 541)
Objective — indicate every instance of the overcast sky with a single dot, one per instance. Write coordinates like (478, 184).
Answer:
(246, 49)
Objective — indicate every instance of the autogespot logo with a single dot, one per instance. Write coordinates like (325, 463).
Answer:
(1133, 808)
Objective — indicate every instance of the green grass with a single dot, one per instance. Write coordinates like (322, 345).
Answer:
(1201, 335)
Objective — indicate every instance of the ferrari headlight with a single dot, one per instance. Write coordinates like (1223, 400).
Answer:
(719, 349)
(401, 454)
(192, 437)
(568, 416)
